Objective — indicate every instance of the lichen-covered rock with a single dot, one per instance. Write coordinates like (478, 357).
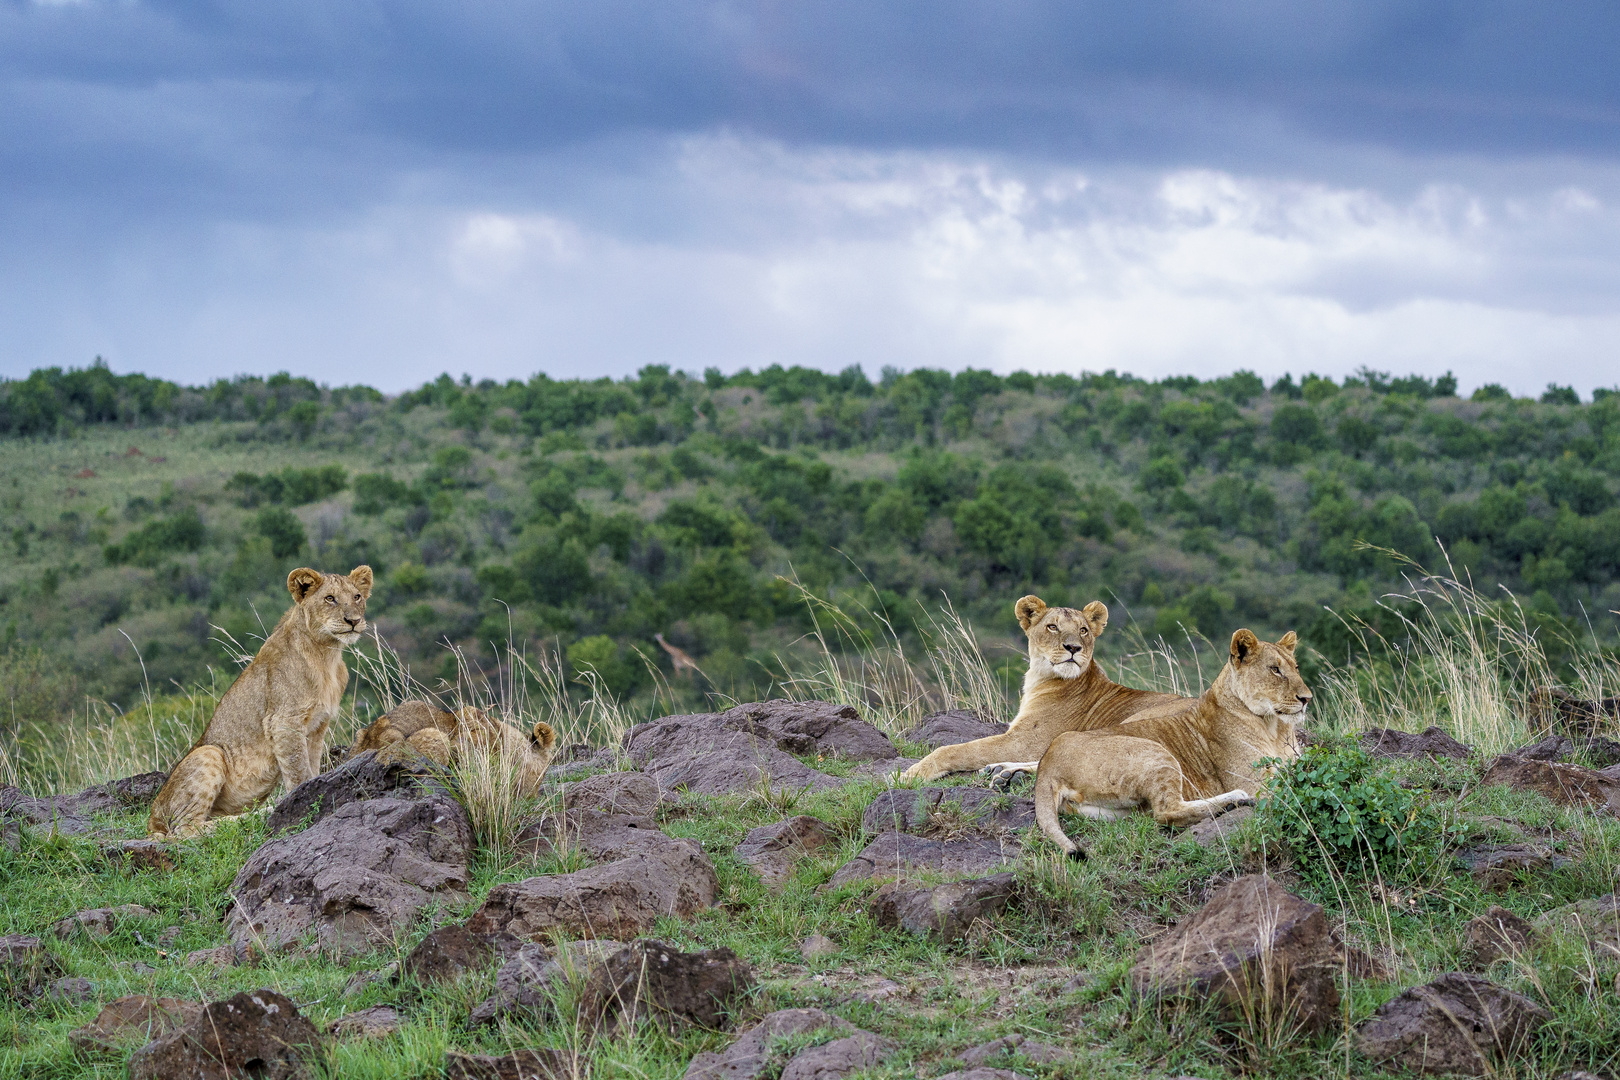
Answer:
(362, 777)
(898, 854)
(257, 1033)
(660, 982)
(357, 878)
(1459, 1023)
(1252, 940)
(618, 900)
(772, 851)
(944, 912)
(630, 793)
(951, 727)
(936, 808)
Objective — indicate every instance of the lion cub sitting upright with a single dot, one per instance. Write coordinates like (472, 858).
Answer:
(1064, 690)
(417, 727)
(1182, 764)
(270, 727)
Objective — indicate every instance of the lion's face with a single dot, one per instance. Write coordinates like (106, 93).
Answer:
(333, 605)
(1061, 639)
(1265, 675)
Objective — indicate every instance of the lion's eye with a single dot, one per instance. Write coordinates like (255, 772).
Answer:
(1276, 671)
(331, 599)
(1052, 627)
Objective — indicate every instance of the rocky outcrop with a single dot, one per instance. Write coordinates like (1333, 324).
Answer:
(937, 808)
(355, 879)
(134, 1020)
(1389, 743)
(943, 912)
(72, 815)
(814, 728)
(839, 1058)
(447, 954)
(530, 982)
(706, 754)
(598, 835)
(772, 851)
(952, 727)
(674, 989)
(1567, 785)
(1596, 921)
(26, 967)
(750, 1056)
(258, 1033)
(1501, 866)
(1254, 940)
(1496, 935)
(632, 793)
(618, 900)
(358, 779)
(1459, 1023)
(898, 855)
(526, 1064)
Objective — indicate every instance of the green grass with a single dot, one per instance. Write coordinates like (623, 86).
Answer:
(1077, 920)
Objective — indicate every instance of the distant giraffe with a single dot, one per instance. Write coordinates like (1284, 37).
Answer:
(677, 656)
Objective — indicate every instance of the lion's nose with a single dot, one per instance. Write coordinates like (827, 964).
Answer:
(352, 620)
(1304, 700)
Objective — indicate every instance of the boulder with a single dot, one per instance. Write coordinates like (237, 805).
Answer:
(839, 1058)
(1252, 939)
(358, 779)
(601, 836)
(26, 967)
(355, 879)
(952, 727)
(1498, 934)
(70, 990)
(1568, 785)
(943, 912)
(1217, 831)
(620, 899)
(99, 922)
(257, 1033)
(528, 984)
(818, 728)
(816, 946)
(1039, 1052)
(1568, 714)
(1597, 921)
(71, 815)
(936, 808)
(984, 1072)
(630, 793)
(1389, 743)
(1459, 1023)
(137, 855)
(11, 835)
(749, 1057)
(526, 1064)
(447, 954)
(1501, 866)
(704, 754)
(131, 1020)
(673, 988)
(1602, 753)
(372, 1023)
(898, 854)
(772, 851)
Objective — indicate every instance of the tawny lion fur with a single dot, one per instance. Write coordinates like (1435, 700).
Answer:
(270, 727)
(1064, 690)
(1183, 764)
(419, 728)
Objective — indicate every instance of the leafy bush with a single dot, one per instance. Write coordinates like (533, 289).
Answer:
(1338, 809)
(283, 529)
(157, 539)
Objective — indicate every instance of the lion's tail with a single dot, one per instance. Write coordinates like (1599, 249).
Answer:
(1047, 800)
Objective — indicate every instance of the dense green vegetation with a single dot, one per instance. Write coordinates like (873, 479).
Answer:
(594, 514)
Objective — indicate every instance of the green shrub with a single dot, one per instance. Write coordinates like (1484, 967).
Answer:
(283, 529)
(157, 540)
(1338, 809)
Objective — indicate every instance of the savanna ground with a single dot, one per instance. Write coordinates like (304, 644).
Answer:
(1053, 968)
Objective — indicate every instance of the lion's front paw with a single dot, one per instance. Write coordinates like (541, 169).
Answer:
(1003, 775)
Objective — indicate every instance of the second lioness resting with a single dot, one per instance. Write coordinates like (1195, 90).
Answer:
(1064, 690)
(415, 727)
(1185, 764)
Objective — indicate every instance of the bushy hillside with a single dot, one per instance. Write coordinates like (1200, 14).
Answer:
(593, 514)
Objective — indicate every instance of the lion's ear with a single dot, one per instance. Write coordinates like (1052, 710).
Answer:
(1096, 614)
(1245, 647)
(1287, 642)
(1028, 609)
(303, 581)
(361, 576)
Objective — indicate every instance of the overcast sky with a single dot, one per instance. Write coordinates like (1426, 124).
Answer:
(380, 192)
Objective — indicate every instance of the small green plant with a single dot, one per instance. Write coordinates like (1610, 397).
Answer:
(1337, 802)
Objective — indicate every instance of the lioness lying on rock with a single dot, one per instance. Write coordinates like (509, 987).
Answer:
(1183, 764)
(270, 727)
(1064, 690)
(417, 727)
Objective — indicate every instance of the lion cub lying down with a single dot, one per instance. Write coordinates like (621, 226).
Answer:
(420, 728)
(1182, 763)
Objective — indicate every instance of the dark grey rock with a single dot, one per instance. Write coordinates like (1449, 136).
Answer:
(358, 779)
(897, 854)
(257, 1033)
(952, 727)
(601, 836)
(372, 1023)
(525, 1064)
(1033, 1049)
(936, 808)
(1459, 1023)
(704, 754)
(1218, 830)
(944, 912)
(357, 878)
(631, 793)
(1501, 866)
(772, 851)
(71, 990)
(839, 1058)
(529, 983)
(71, 815)
(1433, 742)
(750, 1056)
(619, 900)
(137, 855)
(100, 922)
(447, 954)
(1252, 939)
(814, 727)
(1601, 752)
(1497, 934)
(1567, 785)
(134, 1020)
(660, 982)
(26, 966)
